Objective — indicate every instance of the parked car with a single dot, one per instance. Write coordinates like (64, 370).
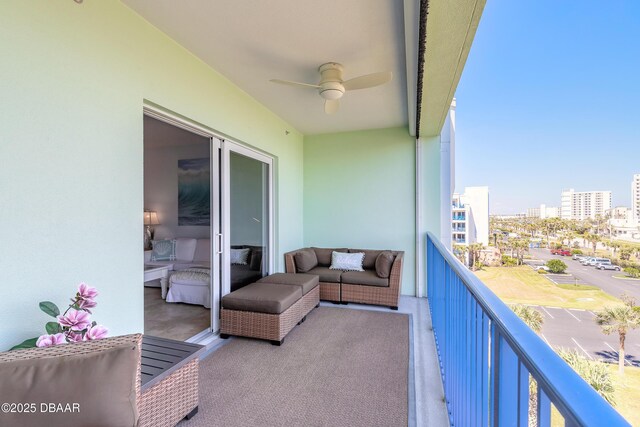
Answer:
(543, 267)
(579, 257)
(608, 266)
(595, 261)
(561, 251)
(586, 260)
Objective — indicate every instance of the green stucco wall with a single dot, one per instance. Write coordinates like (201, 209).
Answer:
(73, 80)
(359, 192)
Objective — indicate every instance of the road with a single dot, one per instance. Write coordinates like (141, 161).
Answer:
(570, 328)
(589, 275)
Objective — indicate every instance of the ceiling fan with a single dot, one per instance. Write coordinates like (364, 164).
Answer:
(332, 87)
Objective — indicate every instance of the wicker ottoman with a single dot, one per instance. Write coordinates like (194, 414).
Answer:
(266, 310)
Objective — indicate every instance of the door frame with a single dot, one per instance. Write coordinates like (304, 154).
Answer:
(220, 148)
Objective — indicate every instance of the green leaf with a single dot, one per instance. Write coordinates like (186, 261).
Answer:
(50, 308)
(52, 328)
(30, 343)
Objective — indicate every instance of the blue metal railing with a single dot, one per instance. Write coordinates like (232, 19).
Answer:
(487, 355)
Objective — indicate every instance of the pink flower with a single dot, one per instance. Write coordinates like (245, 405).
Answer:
(96, 333)
(86, 292)
(75, 319)
(50, 340)
(85, 304)
(75, 336)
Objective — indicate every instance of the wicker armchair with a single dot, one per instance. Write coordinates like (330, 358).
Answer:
(164, 403)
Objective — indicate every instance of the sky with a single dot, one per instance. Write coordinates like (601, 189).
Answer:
(550, 99)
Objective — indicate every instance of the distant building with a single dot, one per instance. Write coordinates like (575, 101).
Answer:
(582, 205)
(635, 197)
(543, 212)
(470, 216)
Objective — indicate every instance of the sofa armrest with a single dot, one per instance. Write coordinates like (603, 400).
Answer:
(290, 262)
(395, 277)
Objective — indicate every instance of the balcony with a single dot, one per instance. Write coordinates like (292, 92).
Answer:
(488, 357)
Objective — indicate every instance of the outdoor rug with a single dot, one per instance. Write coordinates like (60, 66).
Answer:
(341, 367)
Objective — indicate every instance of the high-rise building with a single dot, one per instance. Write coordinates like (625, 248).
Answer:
(635, 197)
(582, 205)
(470, 216)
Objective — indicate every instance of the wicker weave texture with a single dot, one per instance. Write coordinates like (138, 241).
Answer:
(329, 291)
(167, 402)
(267, 326)
(377, 295)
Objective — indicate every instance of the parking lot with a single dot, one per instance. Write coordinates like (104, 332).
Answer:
(577, 329)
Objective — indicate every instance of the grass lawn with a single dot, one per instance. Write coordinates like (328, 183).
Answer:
(522, 285)
(627, 392)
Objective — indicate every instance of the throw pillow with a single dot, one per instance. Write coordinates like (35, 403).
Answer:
(347, 262)
(240, 256)
(384, 263)
(305, 260)
(163, 250)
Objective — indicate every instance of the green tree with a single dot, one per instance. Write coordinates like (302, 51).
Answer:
(620, 319)
(556, 266)
(474, 255)
(529, 315)
(593, 372)
(593, 239)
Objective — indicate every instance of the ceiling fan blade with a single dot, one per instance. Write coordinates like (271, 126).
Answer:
(331, 105)
(370, 80)
(287, 82)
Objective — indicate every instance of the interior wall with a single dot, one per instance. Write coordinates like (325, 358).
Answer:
(161, 188)
(359, 192)
(246, 182)
(71, 126)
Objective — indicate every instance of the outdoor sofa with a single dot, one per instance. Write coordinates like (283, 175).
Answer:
(378, 284)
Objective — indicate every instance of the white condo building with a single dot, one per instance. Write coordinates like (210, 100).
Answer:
(543, 212)
(582, 205)
(470, 216)
(635, 197)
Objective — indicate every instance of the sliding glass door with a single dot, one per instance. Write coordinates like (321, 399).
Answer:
(247, 216)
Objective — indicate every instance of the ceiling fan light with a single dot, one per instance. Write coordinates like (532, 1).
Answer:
(331, 94)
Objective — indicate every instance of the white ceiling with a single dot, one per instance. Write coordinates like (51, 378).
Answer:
(251, 42)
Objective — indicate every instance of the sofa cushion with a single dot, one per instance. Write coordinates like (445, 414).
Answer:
(367, 277)
(306, 259)
(306, 281)
(324, 255)
(185, 248)
(163, 250)
(326, 274)
(203, 251)
(263, 298)
(383, 264)
(100, 381)
(369, 262)
(346, 261)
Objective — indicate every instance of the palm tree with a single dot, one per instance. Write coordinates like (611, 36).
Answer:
(593, 239)
(620, 319)
(474, 254)
(532, 317)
